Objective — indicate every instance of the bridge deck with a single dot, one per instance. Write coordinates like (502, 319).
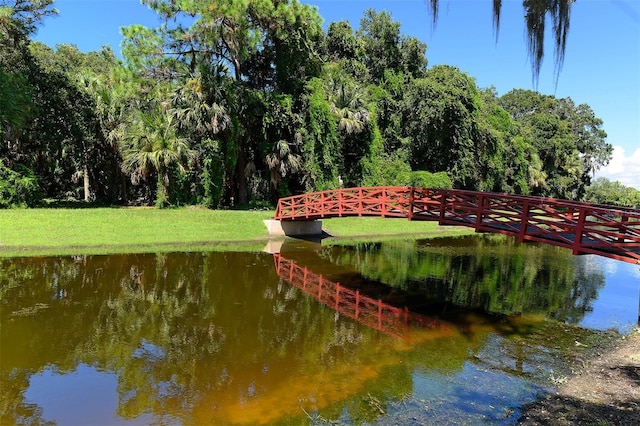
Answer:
(582, 227)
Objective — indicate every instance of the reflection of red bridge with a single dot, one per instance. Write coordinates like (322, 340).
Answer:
(584, 228)
(351, 303)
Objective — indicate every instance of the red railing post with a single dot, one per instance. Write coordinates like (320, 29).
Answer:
(306, 206)
(383, 202)
(411, 200)
(443, 201)
(570, 213)
(621, 229)
(304, 279)
(577, 238)
(524, 220)
(479, 210)
(340, 202)
(278, 259)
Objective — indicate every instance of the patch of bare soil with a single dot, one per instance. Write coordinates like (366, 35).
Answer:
(606, 391)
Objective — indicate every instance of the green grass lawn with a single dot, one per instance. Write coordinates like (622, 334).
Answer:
(30, 232)
(371, 226)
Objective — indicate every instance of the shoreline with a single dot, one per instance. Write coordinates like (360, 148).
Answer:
(604, 391)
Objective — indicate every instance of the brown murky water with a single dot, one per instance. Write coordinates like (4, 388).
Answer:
(462, 330)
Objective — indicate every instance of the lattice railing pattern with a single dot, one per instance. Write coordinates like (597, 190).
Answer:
(582, 227)
(373, 313)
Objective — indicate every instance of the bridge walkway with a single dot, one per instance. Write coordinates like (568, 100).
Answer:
(584, 228)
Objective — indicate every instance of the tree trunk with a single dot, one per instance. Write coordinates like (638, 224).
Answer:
(162, 188)
(165, 185)
(85, 172)
(243, 192)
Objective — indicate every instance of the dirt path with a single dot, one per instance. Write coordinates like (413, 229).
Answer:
(605, 392)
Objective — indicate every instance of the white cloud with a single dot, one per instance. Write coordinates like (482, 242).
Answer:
(625, 169)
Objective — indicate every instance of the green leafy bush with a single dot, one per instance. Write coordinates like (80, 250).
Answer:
(18, 188)
(425, 179)
(604, 191)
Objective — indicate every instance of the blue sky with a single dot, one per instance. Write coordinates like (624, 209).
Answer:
(601, 68)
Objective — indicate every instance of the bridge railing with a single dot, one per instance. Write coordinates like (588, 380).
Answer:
(373, 313)
(385, 201)
(582, 227)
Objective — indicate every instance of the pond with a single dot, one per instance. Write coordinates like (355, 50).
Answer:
(453, 330)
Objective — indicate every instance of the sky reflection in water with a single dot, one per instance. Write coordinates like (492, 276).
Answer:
(225, 338)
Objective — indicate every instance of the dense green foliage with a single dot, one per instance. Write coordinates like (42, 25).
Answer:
(506, 277)
(240, 102)
(603, 191)
(425, 179)
(16, 188)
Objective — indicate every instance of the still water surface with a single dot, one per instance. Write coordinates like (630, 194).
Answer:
(462, 330)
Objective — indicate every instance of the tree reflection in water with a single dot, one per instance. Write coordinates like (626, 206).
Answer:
(220, 337)
(491, 273)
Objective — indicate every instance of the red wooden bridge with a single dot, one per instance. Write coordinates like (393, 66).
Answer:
(373, 313)
(581, 227)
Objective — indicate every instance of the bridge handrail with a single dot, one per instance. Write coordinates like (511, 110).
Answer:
(327, 194)
(583, 227)
(373, 313)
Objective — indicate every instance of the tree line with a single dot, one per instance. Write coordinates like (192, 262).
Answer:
(239, 102)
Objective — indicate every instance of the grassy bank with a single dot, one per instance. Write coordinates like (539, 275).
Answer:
(32, 232)
(366, 226)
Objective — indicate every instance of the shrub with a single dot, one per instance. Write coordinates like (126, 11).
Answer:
(425, 179)
(18, 188)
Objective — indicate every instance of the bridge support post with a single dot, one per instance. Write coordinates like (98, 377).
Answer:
(293, 228)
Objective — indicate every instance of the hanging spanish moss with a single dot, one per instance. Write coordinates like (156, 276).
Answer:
(497, 7)
(535, 17)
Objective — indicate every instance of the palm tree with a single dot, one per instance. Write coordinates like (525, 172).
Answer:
(282, 162)
(198, 107)
(200, 110)
(14, 104)
(154, 146)
(348, 103)
(537, 175)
